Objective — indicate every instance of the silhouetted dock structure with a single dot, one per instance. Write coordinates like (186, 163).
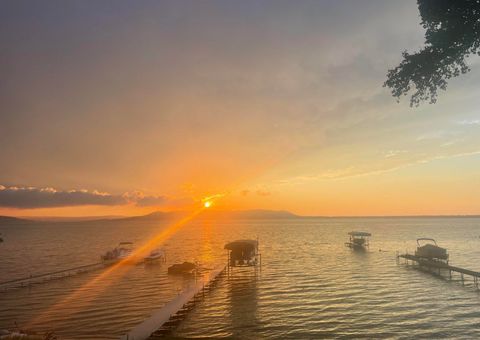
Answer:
(165, 320)
(40, 278)
(439, 267)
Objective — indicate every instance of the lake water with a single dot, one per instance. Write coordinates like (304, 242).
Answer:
(310, 285)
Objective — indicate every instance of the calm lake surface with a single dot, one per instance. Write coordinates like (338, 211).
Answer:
(310, 285)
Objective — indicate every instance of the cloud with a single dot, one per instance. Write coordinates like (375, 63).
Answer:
(32, 197)
(245, 192)
(149, 201)
(452, 142)
(469, 122)
(263, 193)
(358, 172)
(213, 197)
(258, 192)
(21, 197)
(142, 200)
(433, 135)
(394, 153)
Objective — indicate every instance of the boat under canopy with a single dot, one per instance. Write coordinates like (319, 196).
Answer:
(243, 253)
(358, 240)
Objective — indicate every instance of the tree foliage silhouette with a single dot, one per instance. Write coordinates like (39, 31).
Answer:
(452, 34)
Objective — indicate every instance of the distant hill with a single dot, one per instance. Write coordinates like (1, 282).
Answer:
(257, 214)
(161, 216)
(210, 214)
(156, 216)
(74, 218)
(14, 220)
(216, 214)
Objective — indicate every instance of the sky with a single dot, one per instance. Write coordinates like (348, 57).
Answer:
(127, 107)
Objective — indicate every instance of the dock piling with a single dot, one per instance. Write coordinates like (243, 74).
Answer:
(165, 320)
(45, 277)
(435, 267)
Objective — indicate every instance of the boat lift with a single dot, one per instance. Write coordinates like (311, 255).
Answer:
(359, 240)
(431, 258)
(243, 253)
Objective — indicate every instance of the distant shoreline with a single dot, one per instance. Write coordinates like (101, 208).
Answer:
(232, 215)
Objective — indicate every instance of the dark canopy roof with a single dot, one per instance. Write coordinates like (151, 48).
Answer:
(359, 233)
(242, 244)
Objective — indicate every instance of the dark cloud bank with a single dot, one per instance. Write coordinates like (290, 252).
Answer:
(32, 197)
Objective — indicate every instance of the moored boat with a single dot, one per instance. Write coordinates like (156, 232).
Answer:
(243, 253)
(358, 240)
(122, 251)
(185, 268)
(156, 255)
(430, 250)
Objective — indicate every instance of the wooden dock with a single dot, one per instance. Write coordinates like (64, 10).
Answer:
(165, 320)
(439, 267)
(40, 278)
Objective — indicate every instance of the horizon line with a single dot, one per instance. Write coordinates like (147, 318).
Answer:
(293, 215)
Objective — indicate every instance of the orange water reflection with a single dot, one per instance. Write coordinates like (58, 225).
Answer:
(82, 297)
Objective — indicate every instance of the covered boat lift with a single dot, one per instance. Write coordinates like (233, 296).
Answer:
(358, 240)
(243, 253)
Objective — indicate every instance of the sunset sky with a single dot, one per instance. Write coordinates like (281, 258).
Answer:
(126, 107)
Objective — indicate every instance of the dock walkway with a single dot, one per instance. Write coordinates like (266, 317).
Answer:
(172, 313)
(39, 278)
(438, 266)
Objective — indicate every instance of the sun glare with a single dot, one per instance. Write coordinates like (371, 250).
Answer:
(207, 204)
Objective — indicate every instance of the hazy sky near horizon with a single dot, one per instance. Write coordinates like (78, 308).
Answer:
(123, 107)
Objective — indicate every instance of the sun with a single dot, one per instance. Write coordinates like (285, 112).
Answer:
(207, 204)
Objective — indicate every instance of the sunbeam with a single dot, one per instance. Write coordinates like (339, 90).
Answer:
(91, 289)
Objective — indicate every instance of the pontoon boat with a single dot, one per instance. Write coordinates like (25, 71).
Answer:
(358, 240)
(185, 268)
(122, 251)
(431, 251)
(156, 255)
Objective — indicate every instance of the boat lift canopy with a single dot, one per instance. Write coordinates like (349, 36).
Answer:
(359, 233)
(125, 243)
(245, 245)
(242, 253)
